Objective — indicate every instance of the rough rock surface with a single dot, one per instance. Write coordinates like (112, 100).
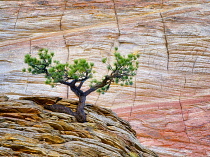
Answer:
(168, 105)
(26, 129)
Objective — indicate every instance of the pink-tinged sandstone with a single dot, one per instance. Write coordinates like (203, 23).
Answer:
(169, 103)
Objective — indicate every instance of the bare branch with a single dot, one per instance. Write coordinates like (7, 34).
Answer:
(80, 85)
(107, 81)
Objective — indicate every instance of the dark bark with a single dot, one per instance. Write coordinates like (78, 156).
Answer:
(73, 87)
(80, 113)
(106, 81)
(59, 108)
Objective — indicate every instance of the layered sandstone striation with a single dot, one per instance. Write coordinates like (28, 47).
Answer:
(27, 129)
(169, 103)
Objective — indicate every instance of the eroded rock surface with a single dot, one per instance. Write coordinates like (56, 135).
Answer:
(26, 129)
(168, 105)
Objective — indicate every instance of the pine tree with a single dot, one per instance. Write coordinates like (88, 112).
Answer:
(74, 75)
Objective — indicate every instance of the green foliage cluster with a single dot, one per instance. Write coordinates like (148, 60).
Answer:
(124, 68)
(101, 90)
(38, 66)
(55, 71)
(79, 70)
(120, 72)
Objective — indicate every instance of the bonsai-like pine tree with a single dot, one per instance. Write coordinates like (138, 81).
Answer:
(74, 75)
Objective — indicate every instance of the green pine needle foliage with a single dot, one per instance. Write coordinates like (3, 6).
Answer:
(121, 72)
(56, 71)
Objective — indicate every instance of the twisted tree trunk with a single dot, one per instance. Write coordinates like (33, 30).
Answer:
(80, 113)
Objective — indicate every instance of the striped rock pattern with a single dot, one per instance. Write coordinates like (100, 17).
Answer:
(168, 105)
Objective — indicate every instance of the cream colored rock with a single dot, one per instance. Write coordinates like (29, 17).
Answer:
(172, 84)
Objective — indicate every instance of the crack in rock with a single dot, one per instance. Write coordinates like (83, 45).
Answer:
(166, 40)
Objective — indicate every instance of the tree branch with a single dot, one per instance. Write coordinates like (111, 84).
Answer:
(73, 87)
(65, 82)
(80, 85)
(106, 81)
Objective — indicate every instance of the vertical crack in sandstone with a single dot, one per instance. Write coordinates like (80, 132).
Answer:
(65, 4)
(181, 107)
(18, 12)
(97, 99)
(162, 3)
(113, 101)
(166, 39)
(30, 51)
(118, 27)
(109, 62)
(116, 17)
(99, 93)
(194, 63)
(67, 60)
(134, 97)
(30, 46)
(117, 37)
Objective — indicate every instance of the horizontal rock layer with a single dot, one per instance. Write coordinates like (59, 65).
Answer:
(27, 129)
(169, 103)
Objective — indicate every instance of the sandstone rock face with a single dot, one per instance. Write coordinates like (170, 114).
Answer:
(168, 105)
(26, 129)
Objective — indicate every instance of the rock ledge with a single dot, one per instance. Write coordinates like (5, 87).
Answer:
(27, 129)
